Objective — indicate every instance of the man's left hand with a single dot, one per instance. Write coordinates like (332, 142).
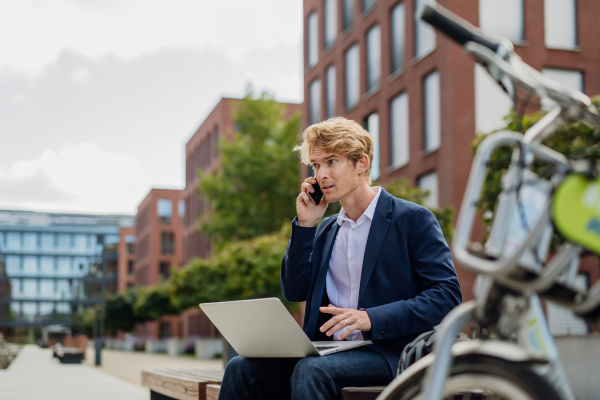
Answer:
(342, 317)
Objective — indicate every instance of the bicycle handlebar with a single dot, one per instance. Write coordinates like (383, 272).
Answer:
(456, 28)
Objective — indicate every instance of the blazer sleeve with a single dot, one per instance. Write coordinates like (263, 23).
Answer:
(431, 262)
(296, 263)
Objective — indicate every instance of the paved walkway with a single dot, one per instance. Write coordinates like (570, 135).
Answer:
(128, 365)
(35, 374)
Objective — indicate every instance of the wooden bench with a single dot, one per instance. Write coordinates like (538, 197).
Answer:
(168, 384)
(189, 384)
(68, 355)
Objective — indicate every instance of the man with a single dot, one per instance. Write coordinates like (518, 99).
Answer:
(380, 270)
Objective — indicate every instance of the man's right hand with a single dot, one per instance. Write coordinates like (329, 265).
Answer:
(308, 213)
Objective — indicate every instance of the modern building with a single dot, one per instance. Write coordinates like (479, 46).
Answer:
(421, 97)
(55, 264)
(158, 247)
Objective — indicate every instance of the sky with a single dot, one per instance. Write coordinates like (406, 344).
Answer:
(99, 97)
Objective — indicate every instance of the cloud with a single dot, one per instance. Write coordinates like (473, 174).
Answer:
(75, 178)
(145, 108)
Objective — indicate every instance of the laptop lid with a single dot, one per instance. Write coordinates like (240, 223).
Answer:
(259, 328)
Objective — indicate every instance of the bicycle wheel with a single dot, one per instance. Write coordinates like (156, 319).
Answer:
(478, 377)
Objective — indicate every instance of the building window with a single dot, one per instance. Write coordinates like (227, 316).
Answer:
(330, 14)
(492, 103)
(352, 65)
(167, 243)
(431, 114)
(397, 33)
(130, 271)
(331, 88)
(348, 6)
(313, 39)
(13, 241)
(29, 241)
(429, 183)
(399, 131)
(569, 79)
(163, 269)
(315, 101)
(502, 18)
(560, 24)
(181, 208)
(130, 244)
(64, 241)
(373, 58)
(216, 141)
(368, 4)
(164, 210)
(424, 33)
(372, 126)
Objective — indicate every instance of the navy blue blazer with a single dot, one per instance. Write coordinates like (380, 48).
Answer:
(408, 282)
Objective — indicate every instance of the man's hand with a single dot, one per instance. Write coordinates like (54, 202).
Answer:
(308, 213)
(353, 319)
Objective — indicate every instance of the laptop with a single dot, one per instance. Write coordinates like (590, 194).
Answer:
(264, 328)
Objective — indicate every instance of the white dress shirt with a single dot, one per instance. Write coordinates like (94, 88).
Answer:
(345, 265)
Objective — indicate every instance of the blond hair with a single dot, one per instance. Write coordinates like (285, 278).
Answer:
(338, 135)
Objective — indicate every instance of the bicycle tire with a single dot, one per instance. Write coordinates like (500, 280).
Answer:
(484, 377)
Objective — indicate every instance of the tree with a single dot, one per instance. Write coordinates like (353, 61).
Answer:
(245, 269)
(119, 311)
(445, 216)
(153, 302)
(578, 140)
(254, 191)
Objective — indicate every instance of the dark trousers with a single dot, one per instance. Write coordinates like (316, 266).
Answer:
(310, 378)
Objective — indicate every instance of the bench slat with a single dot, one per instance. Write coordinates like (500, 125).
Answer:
(177, 387)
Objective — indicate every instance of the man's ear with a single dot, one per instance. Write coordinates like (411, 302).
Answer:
(362, 165)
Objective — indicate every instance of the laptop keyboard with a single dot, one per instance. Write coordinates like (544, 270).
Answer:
(321, 348)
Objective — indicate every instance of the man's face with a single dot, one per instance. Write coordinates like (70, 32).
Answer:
(337, 175)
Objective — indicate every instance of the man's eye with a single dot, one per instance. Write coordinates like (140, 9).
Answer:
(332, 161)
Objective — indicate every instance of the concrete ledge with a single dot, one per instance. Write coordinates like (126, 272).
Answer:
(580, 356)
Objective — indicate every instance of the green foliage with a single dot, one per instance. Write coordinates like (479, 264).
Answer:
(135, 306)
(445, 216)
(153, 302)
(254, 191)
(119, 314)
(576, 141)
(240, 270)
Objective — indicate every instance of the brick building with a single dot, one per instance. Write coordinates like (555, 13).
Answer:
(201, 154)
(158, 247)
(421, 97)
(126, 261)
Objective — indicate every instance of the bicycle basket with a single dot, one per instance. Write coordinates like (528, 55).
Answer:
(420, 347)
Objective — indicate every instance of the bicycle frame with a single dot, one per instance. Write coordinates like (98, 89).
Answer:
(520, 313)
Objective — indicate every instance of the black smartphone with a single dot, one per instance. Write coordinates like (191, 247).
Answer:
(317, 195)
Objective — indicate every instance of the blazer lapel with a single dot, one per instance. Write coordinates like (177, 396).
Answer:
(324, 265)
(377, 233)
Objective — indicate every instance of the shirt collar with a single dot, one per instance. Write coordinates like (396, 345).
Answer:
(343, 216)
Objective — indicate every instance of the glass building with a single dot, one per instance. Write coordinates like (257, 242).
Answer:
(53, 265)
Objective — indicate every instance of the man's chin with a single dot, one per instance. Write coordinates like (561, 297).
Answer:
(330, 198)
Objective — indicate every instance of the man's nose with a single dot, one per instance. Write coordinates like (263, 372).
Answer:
(321, 174)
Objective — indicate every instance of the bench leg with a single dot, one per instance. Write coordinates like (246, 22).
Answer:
(159, 396)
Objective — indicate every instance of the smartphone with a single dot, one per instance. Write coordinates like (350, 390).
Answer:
(317, 195)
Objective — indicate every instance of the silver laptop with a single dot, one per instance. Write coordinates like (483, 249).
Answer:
(265, 328)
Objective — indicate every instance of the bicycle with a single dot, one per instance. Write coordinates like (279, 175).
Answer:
(515, 356)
